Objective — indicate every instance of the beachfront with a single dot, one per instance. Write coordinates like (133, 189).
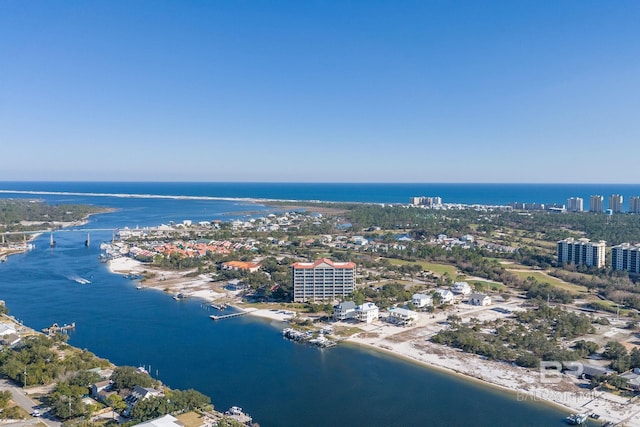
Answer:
(412, 343)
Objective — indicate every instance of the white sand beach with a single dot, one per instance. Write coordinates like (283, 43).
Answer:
(412, 343)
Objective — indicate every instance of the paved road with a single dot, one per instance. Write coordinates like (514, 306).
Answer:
(25, 402)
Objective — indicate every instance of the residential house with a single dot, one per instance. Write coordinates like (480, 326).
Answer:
(141, 393)
(479, 299)
(7, 329)
(163, 421)
(344, 310)
(402, 316)
(421, 300)
(241, 266)
(367, 312)
(98, 387)
(10, 340)
(633, 379)
(446, 296)
(462, 288)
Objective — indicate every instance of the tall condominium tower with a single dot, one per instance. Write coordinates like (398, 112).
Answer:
(322, 280)
(626, 257)
(634, 204)
(575, 204)
(596, 203)
(615, 203)
(581, 252)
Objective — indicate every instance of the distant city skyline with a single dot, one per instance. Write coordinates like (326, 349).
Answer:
(320, 91)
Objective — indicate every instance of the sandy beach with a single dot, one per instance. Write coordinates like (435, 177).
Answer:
(200, 286)
(412, 343)
(569, 393)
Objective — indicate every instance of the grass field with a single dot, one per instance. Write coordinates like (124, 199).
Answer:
(545, 278)
(486, 285)
(430, 266)
(190, 419)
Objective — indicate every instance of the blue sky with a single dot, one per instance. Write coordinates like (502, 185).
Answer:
(320, 91)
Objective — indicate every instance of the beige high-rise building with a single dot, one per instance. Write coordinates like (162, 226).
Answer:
(634, 204)
(323, 280)
(596, 203)
(615, 203)
(575, 204)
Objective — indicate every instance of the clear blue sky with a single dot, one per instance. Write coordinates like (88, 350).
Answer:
(320, 91)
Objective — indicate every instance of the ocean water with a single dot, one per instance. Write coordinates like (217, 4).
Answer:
(490, 194)
(242, 361)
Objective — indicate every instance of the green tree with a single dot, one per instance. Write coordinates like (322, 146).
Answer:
(124, 377)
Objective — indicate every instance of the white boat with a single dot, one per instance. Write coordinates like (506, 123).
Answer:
(577, 419)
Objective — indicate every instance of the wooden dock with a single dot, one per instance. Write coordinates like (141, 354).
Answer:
(229, 316)
(57, 328)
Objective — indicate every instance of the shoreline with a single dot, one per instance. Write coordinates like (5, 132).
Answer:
(522, 383)
(411, 345)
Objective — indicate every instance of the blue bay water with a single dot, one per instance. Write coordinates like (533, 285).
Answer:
(243, 361)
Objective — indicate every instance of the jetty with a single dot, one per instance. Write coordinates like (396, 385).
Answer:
(57, 328)
(229, 316)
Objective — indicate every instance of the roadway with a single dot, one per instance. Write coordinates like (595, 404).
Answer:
(24, 401)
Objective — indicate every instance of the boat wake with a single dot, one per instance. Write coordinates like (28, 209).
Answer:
(79, 279)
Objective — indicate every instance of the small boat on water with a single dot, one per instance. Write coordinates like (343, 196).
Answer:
(576, 419)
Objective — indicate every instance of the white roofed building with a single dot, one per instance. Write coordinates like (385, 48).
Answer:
(461, 288)
(422, 300)
(367, 312)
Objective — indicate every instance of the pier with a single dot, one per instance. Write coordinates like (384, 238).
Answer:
(229, 316)
(57, 328)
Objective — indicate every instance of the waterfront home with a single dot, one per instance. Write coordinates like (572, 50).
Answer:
(402, 316)
(7, 329)
(446, 296)
(367, 312)
(163, 421)
(98, 387)
(462, 288)
(422, 300)
(141, 393)
(479, 299)
(10, 340)
(344, 310)
(241, 266)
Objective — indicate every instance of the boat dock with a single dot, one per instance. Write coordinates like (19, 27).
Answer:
(229, 316)
(57, 328)
(219, 306)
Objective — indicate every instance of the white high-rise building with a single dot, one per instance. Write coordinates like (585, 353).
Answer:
(575, 204)
(634, 204)
(582, 252)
